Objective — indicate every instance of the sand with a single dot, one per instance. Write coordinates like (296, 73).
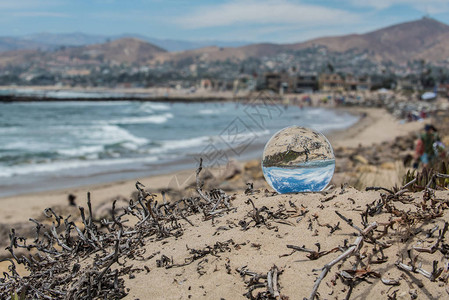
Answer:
(309, 221)
(262, 246)
(259, 247)
(376, 127)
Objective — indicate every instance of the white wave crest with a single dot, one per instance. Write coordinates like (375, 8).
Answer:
(150, 106)
(9, 129)
(56, 166)
(154, 119)
(83, 150)
(208, 112)
(111, 134)
(186, 143)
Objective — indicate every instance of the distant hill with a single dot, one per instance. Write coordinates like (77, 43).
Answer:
(422, 39)
(172, 45)
(11, 44)
(47, 41)
(125, 50)
(223, 53)
(65, 39)
(410, 40)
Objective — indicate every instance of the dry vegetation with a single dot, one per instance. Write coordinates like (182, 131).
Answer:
(337, 244)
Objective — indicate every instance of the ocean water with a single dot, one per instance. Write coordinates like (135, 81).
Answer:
(45, 145)
(304, 177)
(70, 94)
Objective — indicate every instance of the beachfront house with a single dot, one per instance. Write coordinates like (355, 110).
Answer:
(331, 82)
(409, 83)
(274, 80)
(307, 83)
(357, 83)
(297, 83)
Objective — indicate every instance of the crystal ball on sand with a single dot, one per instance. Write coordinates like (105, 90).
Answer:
(298, 159)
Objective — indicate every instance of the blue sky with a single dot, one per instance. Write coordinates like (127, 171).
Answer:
(280, 21)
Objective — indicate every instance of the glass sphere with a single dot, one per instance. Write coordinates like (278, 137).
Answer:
(298, 159)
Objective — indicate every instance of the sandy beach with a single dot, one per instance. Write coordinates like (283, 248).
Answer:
(257, 248)
(378, 126)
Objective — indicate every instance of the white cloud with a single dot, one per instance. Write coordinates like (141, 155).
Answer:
(281, 34)
(31, 8)
(425, 6)
(264, 12)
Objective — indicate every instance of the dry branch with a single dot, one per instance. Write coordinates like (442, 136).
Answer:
(349, 252)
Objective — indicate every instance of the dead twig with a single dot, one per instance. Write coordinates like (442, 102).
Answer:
(349, 252)
(435, 246)
(313, 255)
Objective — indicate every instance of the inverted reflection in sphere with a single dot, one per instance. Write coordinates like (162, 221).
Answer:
(298, 159)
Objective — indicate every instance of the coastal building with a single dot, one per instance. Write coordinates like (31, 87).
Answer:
(305, 83)
(309, 83)
(76, 72)
(296, 83)
(206, 84)
(443, 89)
(244, 82)
(274, 80)
(409, 83)
(331, 82)
(339, 83)
(357, 83)
(215, 85)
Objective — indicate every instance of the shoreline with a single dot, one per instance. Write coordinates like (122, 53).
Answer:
(12, 99)
(49, 94)
(19, 208)
(376, 127)
(149, 94)
(98, 172)
(145, 170)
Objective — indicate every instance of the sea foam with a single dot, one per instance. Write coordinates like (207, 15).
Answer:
(55, 166)
(154, 119)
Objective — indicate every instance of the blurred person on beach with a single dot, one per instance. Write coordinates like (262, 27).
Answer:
(425, 151)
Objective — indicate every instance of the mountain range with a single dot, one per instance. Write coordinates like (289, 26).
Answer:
(421, 39)
(48, 41)
(426, 39)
